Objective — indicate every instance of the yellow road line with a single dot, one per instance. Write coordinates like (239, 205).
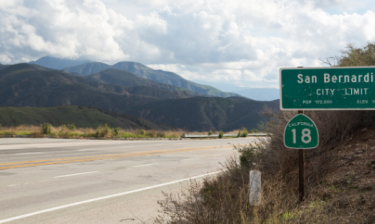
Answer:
(84, 160)
(99, 157)
(94, 156)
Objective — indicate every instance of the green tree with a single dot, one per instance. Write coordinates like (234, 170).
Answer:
(354, 56)
(221, 134)
(71, 127)
(117, 131)
(46, 128)
(244, 133)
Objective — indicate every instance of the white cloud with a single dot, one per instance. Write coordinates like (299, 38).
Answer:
(241, 42)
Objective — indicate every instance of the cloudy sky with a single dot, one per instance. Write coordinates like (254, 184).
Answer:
(226, 43)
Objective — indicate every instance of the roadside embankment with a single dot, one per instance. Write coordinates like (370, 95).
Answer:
(339, 178)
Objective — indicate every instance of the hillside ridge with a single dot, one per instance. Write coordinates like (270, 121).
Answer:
(27, 85)
(125, 78)
(143, 71)
(80, 116)
(57, 63)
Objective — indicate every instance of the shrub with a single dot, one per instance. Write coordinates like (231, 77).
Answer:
(46, 128)
(244, 133)
(247, 156)
(143, 132)
(71, 127)
(150, 134)
(117, 131)
(221, 134)
(210, 132)
(221, 199)
(160, 134)
(239, 134)
(355, 56)
(63, 130)
(103, 131)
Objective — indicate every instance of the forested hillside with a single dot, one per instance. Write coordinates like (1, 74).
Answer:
(26, 85)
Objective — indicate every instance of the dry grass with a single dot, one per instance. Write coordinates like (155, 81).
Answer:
(224, 199)
(218, 132)
(20, 130)
(333, 126)
(102, 131)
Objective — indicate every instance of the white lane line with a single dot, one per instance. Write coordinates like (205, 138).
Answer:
(19, 184)
(146, 164)
(189, 159)
(216, 155)
(28, 153)
(12, 185)
(102, 198)
(81, 150)
(69, 175)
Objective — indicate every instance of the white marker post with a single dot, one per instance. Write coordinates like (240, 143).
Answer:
(255, 187)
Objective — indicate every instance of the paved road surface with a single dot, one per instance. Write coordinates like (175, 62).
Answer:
(99, 181)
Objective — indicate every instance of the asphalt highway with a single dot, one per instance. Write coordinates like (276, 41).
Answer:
(100, 181)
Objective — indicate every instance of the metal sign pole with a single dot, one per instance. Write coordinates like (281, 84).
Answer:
(301, 161)
(301, 132)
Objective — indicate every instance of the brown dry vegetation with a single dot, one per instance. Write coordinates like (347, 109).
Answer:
(339, 174)
(102, 131)
(224, 199)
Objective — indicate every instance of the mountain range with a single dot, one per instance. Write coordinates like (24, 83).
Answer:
(205, 113)
(125, 78)
(138, 69)
(114, 90)
(2, 66)
(28, 85)
(263, 94)
(57, 63)
(143, 71)
(255, 93)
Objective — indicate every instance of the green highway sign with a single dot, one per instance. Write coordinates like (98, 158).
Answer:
(301, 133)
(333, 88)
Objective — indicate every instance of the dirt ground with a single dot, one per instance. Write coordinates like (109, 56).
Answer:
(349, 186)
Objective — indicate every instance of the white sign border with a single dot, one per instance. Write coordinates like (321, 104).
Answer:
(300, 108)
(317, 130)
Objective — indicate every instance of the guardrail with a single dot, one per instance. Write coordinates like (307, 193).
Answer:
(225, 135)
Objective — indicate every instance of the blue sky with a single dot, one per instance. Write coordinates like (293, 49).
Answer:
(225, 43)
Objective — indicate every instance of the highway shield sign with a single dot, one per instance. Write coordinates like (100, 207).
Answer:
(301, 133)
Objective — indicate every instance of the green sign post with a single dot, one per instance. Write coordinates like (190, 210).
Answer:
(341, 88)
(301, 133)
